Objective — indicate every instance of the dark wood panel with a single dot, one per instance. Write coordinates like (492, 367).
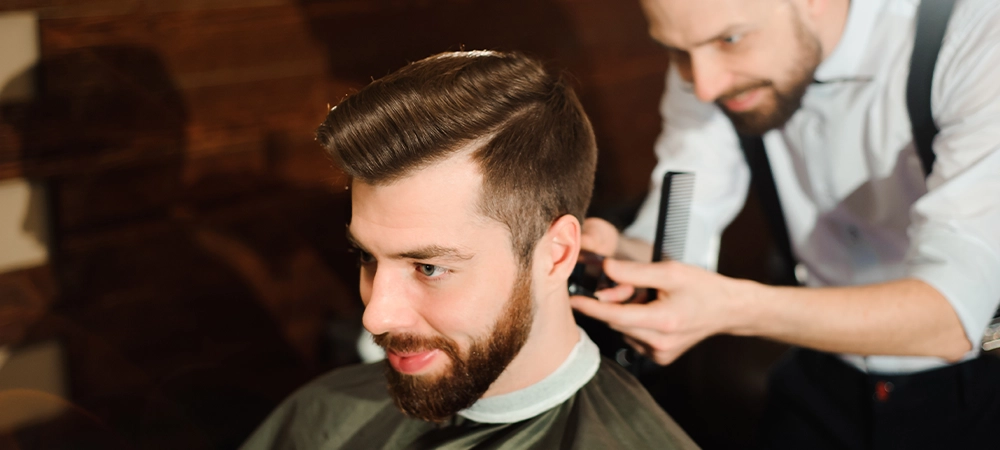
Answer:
(626, 123)
(200, 261)
(195, 41)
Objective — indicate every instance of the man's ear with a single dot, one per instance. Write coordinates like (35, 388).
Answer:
(563, 242)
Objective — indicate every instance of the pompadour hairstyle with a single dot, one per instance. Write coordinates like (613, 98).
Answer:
(529, 135)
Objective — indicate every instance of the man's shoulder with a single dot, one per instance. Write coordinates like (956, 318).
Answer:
(618, 390)
(340, 391)
(365, 380)
(624, 411)
(328, 409)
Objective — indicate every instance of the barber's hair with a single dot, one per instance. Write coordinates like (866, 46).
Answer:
(526, 127)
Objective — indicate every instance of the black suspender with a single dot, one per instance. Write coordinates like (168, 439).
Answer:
(932, 21)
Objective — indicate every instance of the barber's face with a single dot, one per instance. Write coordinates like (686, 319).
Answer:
(443, 291)
(754, 58)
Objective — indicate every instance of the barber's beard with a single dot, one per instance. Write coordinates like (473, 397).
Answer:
(780, 102)
(435, 398)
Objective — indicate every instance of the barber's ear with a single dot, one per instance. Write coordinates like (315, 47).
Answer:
(563, 242)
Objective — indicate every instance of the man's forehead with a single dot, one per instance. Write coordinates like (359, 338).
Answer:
(686, 24)
(436, 206)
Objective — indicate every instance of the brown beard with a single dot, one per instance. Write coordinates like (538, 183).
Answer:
(786, 99)
(435, 399)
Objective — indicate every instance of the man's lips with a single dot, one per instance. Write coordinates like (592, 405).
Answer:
(412, 362)
(745, 101)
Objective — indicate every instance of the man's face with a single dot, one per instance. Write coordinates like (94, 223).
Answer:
(754, 58)
(444, 294)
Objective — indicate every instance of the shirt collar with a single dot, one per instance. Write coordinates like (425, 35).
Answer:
(579, 367)
(846, 59)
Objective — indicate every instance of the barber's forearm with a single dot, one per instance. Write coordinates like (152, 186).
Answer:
(905, 317)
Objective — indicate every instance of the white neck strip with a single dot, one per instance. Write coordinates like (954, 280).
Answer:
(579, 367)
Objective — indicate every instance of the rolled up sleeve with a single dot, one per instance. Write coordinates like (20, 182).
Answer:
(955, 232)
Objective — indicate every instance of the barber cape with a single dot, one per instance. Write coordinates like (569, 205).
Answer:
(587, 403)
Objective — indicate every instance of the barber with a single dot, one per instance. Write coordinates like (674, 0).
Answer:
(903, 270)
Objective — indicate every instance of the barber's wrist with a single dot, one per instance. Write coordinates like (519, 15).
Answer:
(748, 308)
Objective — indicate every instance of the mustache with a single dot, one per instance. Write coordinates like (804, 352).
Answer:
(412, 343)
(740, 90)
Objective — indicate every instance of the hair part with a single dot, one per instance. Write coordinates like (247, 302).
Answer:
(531, 138)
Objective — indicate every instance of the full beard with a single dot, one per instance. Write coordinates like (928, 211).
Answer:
(437, 398)
(784, 100)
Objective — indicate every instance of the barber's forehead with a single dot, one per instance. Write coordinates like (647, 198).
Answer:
(686, 22)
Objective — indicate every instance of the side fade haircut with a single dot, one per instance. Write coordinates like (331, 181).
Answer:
(528, 132)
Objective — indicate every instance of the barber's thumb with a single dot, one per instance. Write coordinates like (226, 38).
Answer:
(638, 274)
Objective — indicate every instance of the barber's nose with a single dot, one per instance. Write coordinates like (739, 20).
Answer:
(709, 77)
(388, 306)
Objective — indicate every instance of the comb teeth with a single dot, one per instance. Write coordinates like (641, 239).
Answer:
(675, 210)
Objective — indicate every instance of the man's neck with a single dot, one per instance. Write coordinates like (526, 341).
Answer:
(832, 24)
(553, 335)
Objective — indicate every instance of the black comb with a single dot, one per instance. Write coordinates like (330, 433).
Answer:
(676, 193)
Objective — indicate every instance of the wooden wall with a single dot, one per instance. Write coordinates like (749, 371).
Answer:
(199, 269)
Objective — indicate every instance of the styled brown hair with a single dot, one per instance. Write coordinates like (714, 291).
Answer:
(531, 138)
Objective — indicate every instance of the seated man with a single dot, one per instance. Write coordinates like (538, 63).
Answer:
(470, 175)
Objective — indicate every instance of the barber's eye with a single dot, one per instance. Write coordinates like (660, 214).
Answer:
(430, 270)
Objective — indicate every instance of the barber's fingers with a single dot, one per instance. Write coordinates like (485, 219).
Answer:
(599, 236)
(660, 347)
(614, 314)
(661, 275)
(616, 294)
(639, 347)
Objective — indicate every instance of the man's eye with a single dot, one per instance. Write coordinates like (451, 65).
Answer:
(732, 39)
(430, 270)
(364, 257)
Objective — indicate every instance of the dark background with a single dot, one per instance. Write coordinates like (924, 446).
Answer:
(198, 264)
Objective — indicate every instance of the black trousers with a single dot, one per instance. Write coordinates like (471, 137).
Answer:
(817, 401)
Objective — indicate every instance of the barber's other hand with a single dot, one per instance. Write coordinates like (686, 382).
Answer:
(692, 304)
(599, 236)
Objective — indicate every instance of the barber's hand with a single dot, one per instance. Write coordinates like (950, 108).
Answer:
(692, 304)
(599, 236)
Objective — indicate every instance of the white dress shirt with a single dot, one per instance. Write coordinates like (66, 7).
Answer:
(858, 208)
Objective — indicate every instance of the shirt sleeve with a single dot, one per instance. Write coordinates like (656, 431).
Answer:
(955, 231)
(696, 137)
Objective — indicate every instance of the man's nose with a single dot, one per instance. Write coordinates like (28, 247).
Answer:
(389, 307)
(709, 77)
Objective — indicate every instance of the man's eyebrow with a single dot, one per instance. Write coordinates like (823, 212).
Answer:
(729, 31)
(427, 252)
(353, 241)
(434, 251)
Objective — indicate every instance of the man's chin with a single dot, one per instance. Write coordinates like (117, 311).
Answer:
(757, 121)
